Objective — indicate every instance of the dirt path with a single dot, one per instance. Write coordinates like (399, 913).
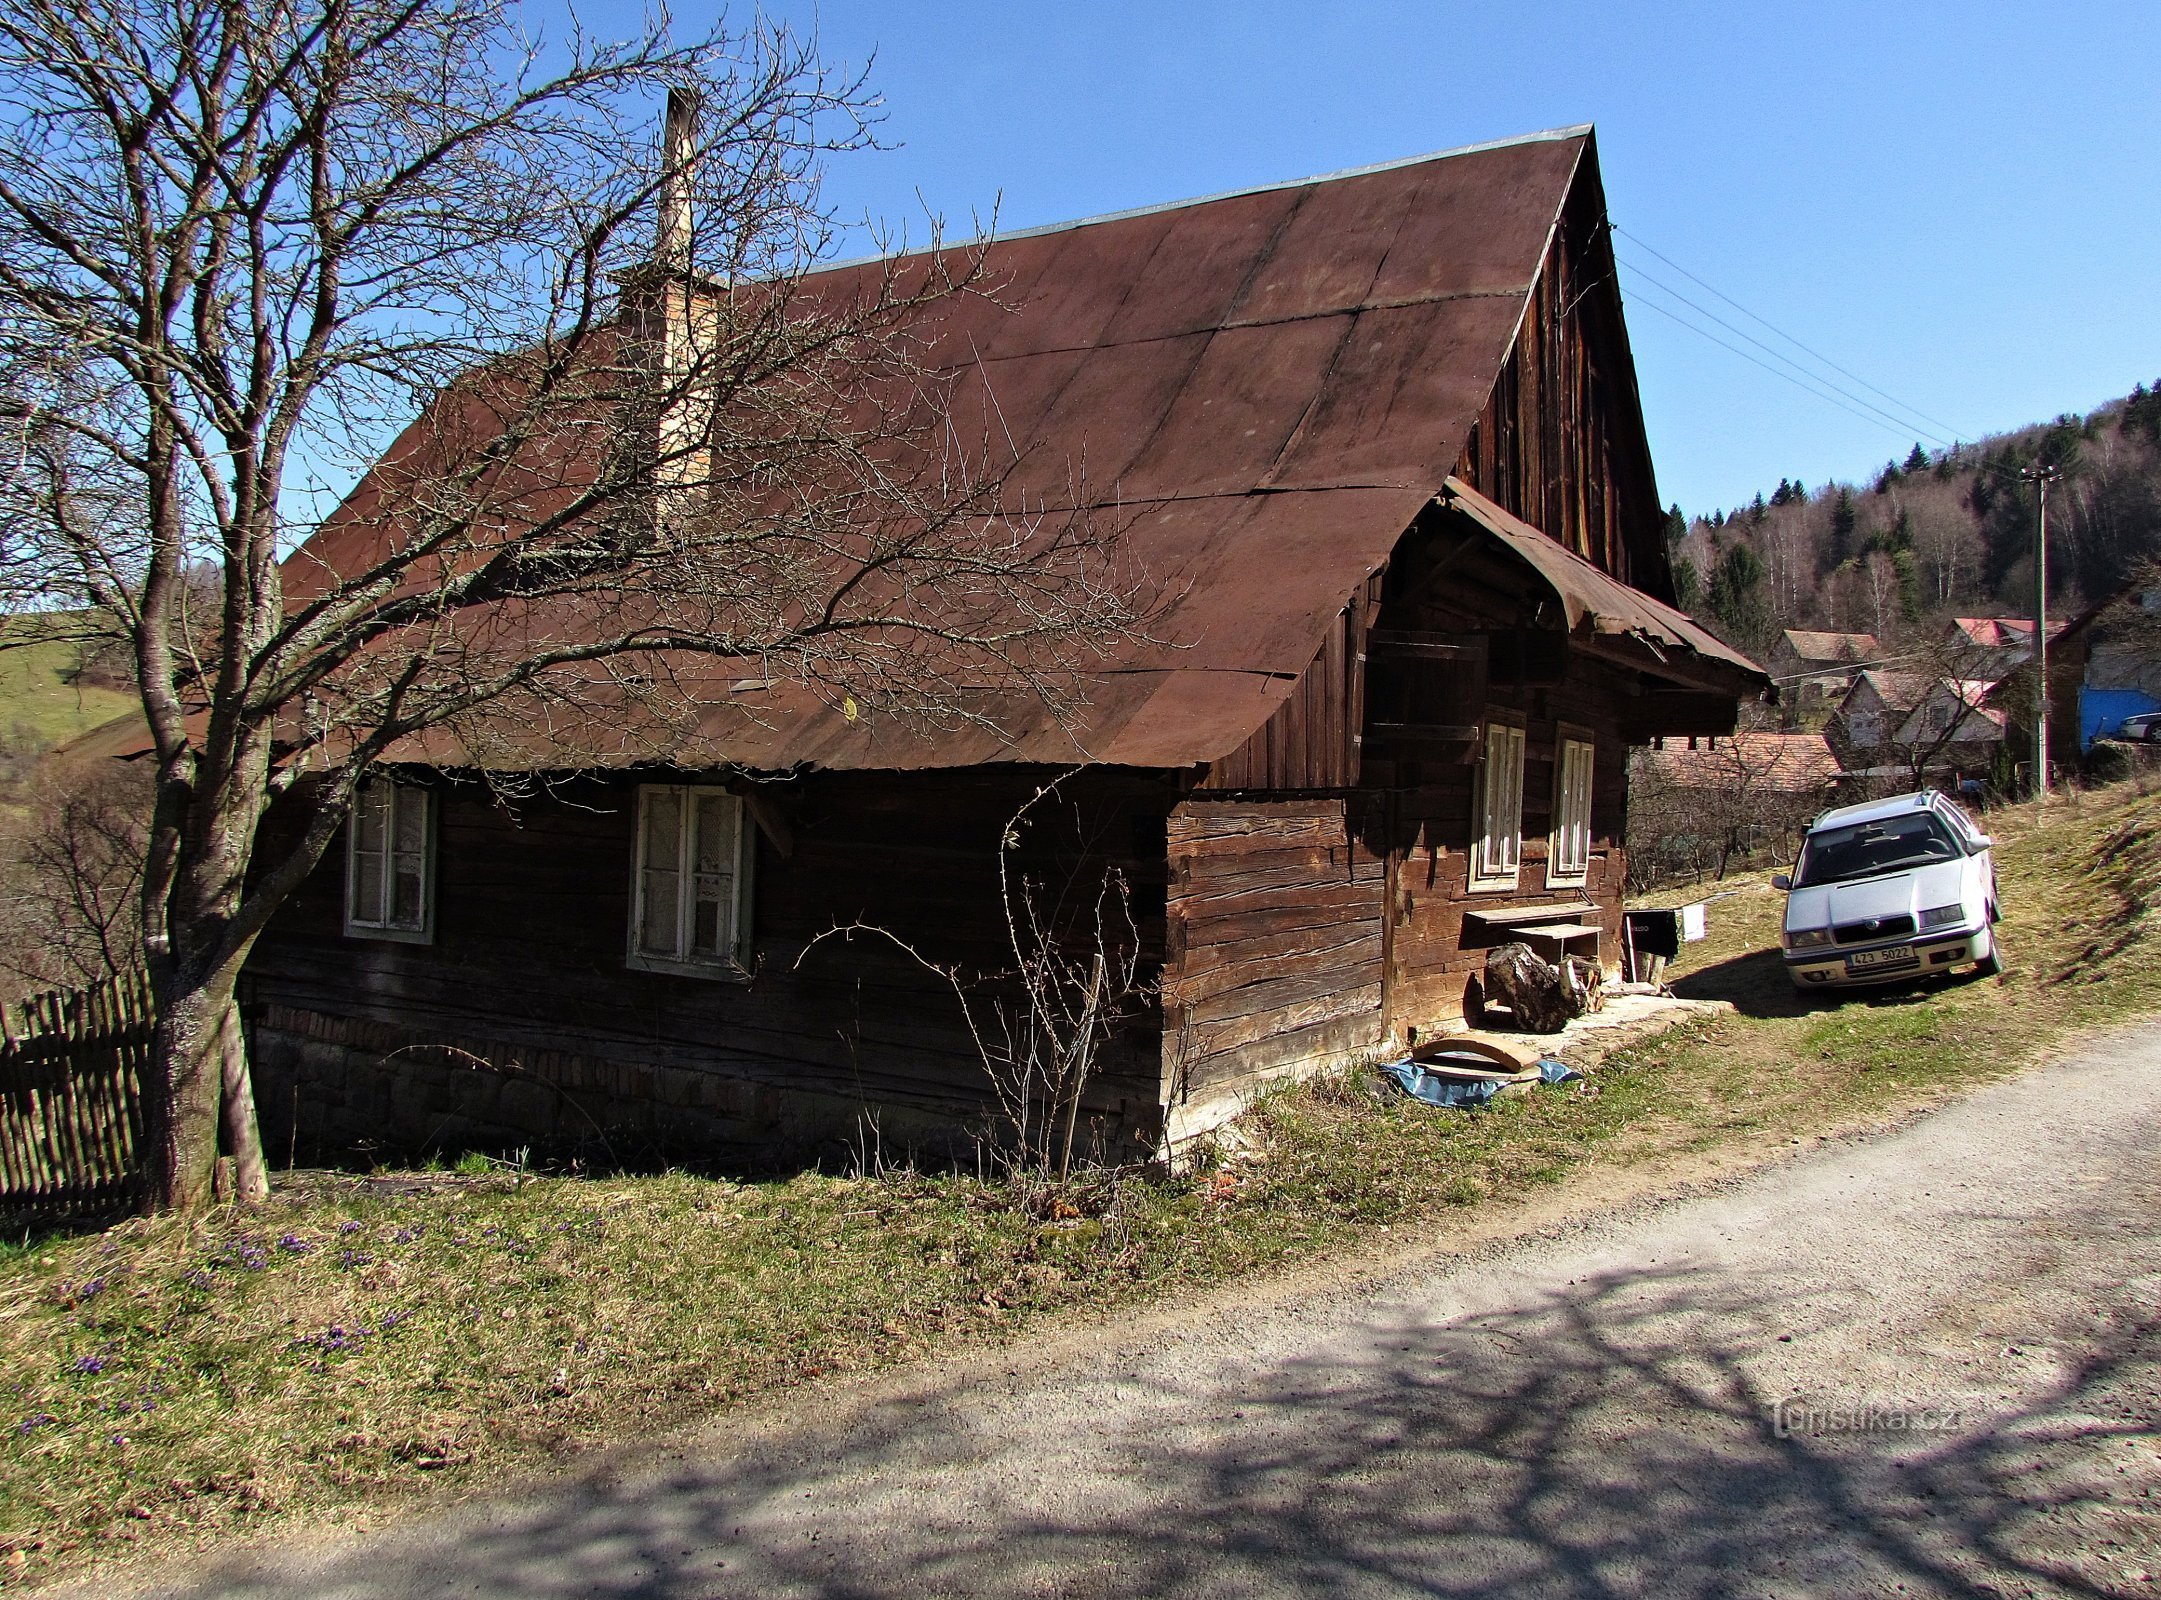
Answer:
(1585, 1413)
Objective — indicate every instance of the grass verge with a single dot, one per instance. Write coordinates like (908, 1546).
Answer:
(361, 1342)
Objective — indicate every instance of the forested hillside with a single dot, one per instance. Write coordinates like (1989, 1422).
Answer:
(1933, 534)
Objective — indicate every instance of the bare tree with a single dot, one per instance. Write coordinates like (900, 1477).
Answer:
(1879, 577)
(1935, 718)
(1696, 811)
(1950, 550)
(243, 242)
(72, 915)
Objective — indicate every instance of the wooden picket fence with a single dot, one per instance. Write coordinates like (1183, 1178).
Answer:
(71, 1104)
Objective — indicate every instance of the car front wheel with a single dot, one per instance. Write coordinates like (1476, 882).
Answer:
(1992, 964)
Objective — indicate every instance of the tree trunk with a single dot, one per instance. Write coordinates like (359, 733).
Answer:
(243, 1135)
(199, 1058)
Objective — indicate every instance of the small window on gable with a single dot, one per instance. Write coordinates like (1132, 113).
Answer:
(690, 902)
(1568, 851)
(390, 863)
(1498, 852)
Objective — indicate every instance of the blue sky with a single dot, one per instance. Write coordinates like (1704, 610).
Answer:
(1957, 203)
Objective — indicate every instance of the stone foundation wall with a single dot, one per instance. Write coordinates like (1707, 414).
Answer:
(329, 1086)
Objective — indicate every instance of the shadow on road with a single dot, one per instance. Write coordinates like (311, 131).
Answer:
(1619, 1442)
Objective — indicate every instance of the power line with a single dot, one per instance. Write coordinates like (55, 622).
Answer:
(1824, 395)
(1813, 383)
(1903, 425)
(1789, 338)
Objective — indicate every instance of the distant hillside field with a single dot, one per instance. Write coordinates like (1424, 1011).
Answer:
(1948, 532)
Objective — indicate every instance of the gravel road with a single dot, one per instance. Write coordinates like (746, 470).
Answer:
(1593, 1411)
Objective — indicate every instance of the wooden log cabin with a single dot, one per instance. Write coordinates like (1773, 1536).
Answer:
(1379, 434)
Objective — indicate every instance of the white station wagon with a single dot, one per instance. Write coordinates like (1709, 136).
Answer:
(1892, 889)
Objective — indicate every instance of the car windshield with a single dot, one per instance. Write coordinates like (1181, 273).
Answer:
(1870, 849)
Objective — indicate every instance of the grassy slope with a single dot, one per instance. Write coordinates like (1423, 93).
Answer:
(364, 1341)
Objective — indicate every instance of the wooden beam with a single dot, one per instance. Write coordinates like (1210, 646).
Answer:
(1418, 645)
(1668, 712)
(770, 823)
(1422, 734)
(1689, 671)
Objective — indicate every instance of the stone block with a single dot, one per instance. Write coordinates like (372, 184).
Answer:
(527, 1109)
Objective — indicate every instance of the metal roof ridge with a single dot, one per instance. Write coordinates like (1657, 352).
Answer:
(1543, 136)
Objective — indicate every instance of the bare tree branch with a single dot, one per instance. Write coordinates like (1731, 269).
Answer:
(345, 359)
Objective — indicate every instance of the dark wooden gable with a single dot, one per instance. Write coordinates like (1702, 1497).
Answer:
(1561, 441)
(1560, 444)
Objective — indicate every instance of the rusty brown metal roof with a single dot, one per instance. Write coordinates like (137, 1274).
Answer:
(1268, 386)
(1594, 602)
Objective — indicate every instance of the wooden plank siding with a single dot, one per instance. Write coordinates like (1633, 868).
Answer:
(1312, 740)
(532, 910)
(1433, 948)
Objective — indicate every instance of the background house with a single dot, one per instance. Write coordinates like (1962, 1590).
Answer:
(1989, 647)
(1814, 669)
(1378, 435)
(1906, 728)
(1697, 806)
(2104, 666)
(2110, 656)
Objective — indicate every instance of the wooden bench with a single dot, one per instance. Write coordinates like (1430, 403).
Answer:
(1552, 931)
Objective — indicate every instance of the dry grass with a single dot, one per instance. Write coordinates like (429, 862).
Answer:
(363, 1341)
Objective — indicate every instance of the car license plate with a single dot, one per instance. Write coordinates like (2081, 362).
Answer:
(1880, 958)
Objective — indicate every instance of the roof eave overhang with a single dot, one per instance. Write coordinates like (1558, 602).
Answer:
(1608, 618)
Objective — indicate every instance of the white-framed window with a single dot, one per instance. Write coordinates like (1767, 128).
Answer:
(1498, 853)
(390, 863)
(1568, 849)
(1864, 728)
(690, 893)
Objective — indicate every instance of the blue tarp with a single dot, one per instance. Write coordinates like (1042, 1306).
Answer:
(2101, 711)
(1438, 1090)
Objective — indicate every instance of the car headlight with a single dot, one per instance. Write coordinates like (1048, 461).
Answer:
(1942, 916)
(1807, 938)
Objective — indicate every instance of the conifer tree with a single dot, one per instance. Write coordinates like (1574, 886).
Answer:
(1909, 582)
(1916, 459)
(1844, 519)
(1687, 584)
(1737, 599)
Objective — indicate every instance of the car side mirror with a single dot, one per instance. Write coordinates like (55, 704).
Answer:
(1779, 880)
(1982, 841)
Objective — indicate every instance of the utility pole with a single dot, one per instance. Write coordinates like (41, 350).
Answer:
(2043, 474)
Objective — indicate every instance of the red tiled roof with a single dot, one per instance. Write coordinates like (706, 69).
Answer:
(1788, 763)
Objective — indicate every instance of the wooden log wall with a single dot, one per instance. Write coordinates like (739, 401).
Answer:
(532, 905)
(1275, 933)
(71, 1104)
(1434, 947)
(1448, 580)
(1560, 442)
